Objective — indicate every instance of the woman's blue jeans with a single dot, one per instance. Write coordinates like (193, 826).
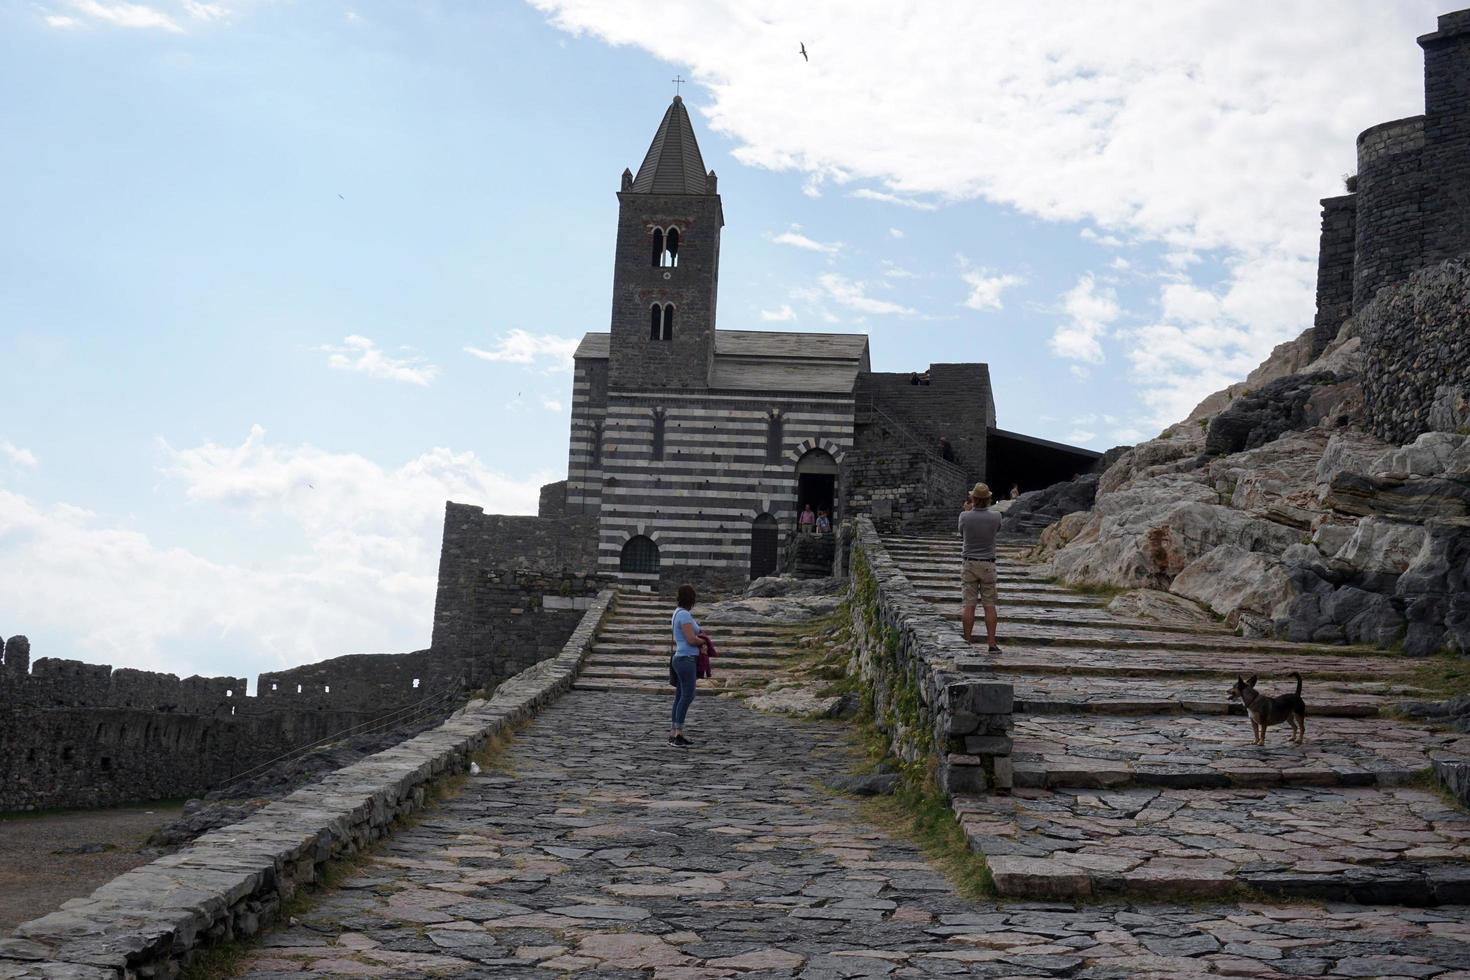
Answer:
(684, 670)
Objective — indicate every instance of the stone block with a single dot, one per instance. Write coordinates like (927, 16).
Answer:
(988, 745)
(981, 697)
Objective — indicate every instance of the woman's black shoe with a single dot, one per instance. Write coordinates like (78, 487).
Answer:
(680, 741)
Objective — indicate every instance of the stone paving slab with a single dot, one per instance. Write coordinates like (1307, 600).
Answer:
(1405, 846)
(1144, 662)
(1053, 694)
(601, 852)
(1098, 752)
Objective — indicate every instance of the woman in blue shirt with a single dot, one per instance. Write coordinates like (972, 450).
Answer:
(687, 643)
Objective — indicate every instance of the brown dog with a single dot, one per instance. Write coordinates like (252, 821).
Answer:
(1265, 710)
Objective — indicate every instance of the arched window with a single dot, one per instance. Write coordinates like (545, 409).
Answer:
(658, 246)
(773, 436)
(640, 556)
(658, 433)
(655, 322)
(668, 321)
(671, 248)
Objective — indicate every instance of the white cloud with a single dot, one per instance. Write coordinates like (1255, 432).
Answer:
(854, 295)
(520, 347)
(1089, 311)
(18, 455)
(1206, 127)
(782, 314)
(115, 14)
(1120, 264)
(793, 237)
(892, 270)
(868, 194)
(986, 287)
(1108, 241)
(551, 405)
(895, 232)
(362, 355)
(1079, 437)
(1079, 372)
(362, 582)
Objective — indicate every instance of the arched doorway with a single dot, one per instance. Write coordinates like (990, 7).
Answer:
(765, 542)
(639, 557)
(816, 481)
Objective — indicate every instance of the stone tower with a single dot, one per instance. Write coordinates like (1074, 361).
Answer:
(667, 267)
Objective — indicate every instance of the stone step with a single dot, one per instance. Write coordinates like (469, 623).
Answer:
(649, 653)
(1144, 662)
(644, 658)
(644, 687)
(1077, 615)
(1395, 846)
(1062, 694)
(728, 634)
(659, 672)
(1105, 752)
(661, 647)
(1095, 637)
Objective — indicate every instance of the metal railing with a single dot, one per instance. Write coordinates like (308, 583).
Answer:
(408, 714)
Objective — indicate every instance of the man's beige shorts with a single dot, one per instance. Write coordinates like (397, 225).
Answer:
(978, 578)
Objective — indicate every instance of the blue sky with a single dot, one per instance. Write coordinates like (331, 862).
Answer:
(278, 278)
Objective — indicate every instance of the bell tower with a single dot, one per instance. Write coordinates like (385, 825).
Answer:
(666, 268)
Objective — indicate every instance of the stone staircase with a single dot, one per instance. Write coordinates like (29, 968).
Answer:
(1135, 775)
(631, 651)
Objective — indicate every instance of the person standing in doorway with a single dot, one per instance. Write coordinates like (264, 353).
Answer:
(978, 527)
(687, 644)
(807, 522)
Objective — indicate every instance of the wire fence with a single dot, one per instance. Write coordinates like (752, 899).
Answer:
(438, 703)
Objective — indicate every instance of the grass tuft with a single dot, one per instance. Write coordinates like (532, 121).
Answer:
(923, 816)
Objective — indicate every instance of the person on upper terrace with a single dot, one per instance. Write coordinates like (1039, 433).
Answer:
(946, 451)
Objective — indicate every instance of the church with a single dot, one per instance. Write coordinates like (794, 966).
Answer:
(693, 450)
(697, 448)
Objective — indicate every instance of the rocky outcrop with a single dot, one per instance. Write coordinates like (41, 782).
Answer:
(1031, 512)
(1274, 508)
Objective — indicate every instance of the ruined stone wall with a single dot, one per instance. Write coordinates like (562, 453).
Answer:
(74, 734)
(510, 590)
(1334, 269)
(957, 403)
(1416, 341)
(895, 485)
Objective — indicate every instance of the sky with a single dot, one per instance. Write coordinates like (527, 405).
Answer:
(279, 278)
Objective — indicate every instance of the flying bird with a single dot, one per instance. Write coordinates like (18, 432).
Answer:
(803, 52)
(341, 198)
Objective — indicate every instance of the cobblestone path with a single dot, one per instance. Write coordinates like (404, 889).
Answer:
(599, 851)
(1135, 776)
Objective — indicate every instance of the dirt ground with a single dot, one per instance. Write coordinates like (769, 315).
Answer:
(35, 879)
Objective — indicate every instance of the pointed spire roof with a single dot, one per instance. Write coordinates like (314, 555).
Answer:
(673, 164)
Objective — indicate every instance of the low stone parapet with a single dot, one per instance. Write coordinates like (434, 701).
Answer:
(932, 697)
(153, 920)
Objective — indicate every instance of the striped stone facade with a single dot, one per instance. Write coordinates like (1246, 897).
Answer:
(699, 502)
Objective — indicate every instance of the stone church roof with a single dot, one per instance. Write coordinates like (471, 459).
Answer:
(763, 360)
(673, 164)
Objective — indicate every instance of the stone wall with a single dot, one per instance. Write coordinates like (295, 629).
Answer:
(957, 404)
(154, 921)
(938, 705)
(1446, 156)
(74, 734)
(898, 486)
(1416, 341)
(510, 589)
(1334, 269)
(1389, 228)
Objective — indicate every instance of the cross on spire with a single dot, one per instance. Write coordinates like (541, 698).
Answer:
(677, 80)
